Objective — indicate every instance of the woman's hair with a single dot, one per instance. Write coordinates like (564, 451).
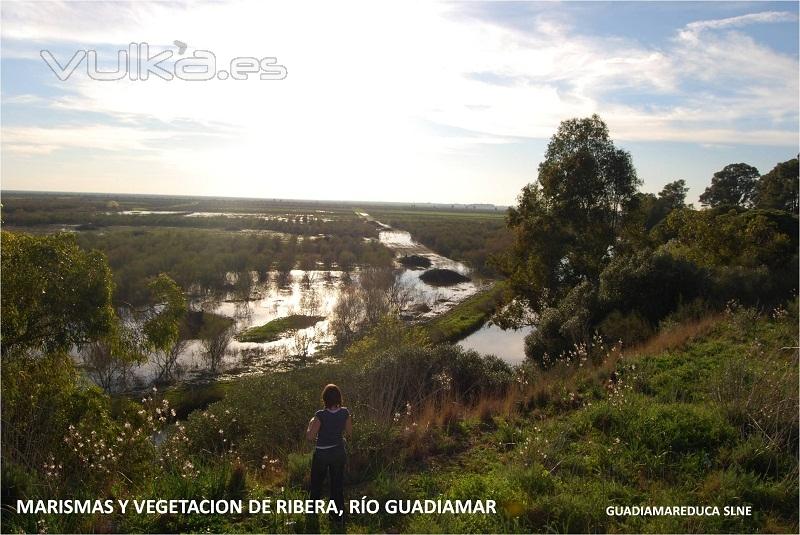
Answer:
(331, 396)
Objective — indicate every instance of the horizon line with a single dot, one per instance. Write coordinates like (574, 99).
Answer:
(230, 197)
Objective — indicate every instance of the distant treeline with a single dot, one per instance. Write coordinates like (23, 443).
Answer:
(88, 212)
(202, 258)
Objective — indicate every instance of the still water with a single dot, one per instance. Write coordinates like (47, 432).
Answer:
(508, 345)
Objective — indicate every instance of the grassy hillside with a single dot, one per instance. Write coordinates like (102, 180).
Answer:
(704, 413)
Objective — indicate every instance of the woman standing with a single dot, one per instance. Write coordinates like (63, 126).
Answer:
(327, 428)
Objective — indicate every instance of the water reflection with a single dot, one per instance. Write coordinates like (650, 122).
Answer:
(508, 344)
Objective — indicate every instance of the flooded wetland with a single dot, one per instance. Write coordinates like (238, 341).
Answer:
(268, 275)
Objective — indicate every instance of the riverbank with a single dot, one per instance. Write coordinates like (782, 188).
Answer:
(469, 315)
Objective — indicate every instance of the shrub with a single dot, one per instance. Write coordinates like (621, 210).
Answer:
(651, 284)
(416, 376)
(629, 328)
(561, 328)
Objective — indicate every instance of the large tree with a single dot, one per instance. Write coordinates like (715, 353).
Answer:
(778, 188)
(55, 294)
(567, 222)
(734, 185)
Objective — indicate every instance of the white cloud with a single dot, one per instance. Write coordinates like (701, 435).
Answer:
(693, 28)
(366, 79)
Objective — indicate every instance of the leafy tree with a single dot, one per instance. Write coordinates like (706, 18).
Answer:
(645, 210)
(673, 195)
(55, 295)
(734, 185)
(567, 222)
(162, 327)
(778, 189)
(736, 237)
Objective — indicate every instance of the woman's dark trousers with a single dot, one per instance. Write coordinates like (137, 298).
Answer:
(331, 460)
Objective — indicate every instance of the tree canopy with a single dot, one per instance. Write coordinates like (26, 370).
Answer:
(734, 185)
(55, 295)
(778, 188)
(673, 195)
(567, 221)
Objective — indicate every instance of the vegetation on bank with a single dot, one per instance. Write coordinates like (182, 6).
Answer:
(278, 328)
(468, 315)
(592, 255)
(703, 413)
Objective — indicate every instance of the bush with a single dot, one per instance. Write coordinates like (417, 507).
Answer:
(629, 328)
(651, 284)
(561, 328)
(419, 375)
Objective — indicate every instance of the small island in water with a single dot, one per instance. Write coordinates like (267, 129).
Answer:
(443, 277)
(415, 261)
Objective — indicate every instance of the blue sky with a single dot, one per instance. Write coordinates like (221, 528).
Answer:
(420, 101)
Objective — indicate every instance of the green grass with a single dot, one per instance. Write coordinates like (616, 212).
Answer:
(699, 423)
(277, 328)
(467, 316)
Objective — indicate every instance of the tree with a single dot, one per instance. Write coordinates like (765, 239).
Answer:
(347, 315)
(55, 294)
(734, 185)
(109, 360)
(778, 189)
(673, 195)
(162, 326)
(567, 222)
(300, 346)
(169, 306)
(215, 343)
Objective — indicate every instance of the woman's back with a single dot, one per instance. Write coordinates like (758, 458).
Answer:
(332, 426)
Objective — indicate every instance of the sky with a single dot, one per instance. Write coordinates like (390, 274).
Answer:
(388, 101)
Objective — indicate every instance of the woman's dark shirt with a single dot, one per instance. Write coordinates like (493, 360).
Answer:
(331, 427)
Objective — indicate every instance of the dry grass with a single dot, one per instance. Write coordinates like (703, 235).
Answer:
(675, 337)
